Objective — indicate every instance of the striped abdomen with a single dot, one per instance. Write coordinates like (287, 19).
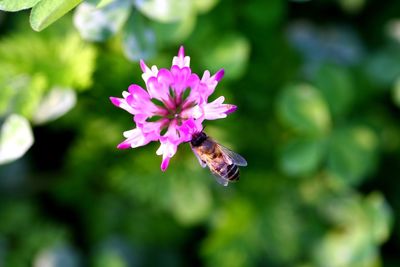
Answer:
(229, 172)
(212, 154)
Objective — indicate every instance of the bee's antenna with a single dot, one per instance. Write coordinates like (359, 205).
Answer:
(203, 128)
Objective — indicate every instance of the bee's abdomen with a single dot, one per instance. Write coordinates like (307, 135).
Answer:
(232, 172)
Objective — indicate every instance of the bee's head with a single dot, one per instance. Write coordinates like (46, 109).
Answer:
(198, 138)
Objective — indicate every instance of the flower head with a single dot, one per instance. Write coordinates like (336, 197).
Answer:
(172, 107)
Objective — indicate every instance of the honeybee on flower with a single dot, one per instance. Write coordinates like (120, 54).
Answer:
(180, 118)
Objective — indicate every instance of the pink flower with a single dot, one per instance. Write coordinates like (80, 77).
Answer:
(173, 106)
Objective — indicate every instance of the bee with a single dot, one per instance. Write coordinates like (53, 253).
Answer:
(222, 162)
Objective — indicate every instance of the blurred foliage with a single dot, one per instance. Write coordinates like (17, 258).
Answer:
(318, 122)
(38, 75)
(43, 13)
(145, 25)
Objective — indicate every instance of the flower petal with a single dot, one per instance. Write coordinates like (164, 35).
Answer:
(167, 149)
(182, 79)
(169, 144)
(144, 133)
(165, 163)
(172, 133)
(208, 84)
(121, 103)
(204, 88)
(158, 88)
(217, 110)
(135, 138)
(147, 72)
(219, 75)
(194, 112)
(181, 60)
(150, 127)
(140, 101)
(188, 128)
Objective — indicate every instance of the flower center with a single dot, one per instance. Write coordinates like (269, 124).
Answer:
(180, 106)
(175, 113)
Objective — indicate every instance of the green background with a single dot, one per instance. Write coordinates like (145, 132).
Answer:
(317, 85)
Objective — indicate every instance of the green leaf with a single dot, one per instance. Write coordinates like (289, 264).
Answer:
(203, 6)
(27, 54)
(164, 10)
(358, 224)
(380, 215)
(195, 192)
(103, 3)
(30, 91)
(231, 52)
(302, 108)
(138, 40)
(60, 255)
(6, 94)
(233, 235)
(267, 14)
(96, 24)
(78, 62)
(302, 156)
(48, 11)
(351, 242)
(15, 138)
(336, 86)
(383, 67)
(396, 92)
(352, 6)
(109, 258)
(352, 154)
(55, 104)
(16, 5)
(21, 93)
(174, 32)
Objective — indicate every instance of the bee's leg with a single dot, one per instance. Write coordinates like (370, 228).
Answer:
(202, 163)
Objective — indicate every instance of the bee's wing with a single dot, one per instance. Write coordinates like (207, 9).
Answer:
(202, 163)
(232, 157)
(220, 179)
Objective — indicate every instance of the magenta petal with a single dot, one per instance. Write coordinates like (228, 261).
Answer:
(232, 109)
(181, 60)
(157, 90)
(140, 119)
(181, 52)
(217, 110)
(147, 72)
(138, 92)
(151, 127)
(123, 145)
(194, 112)
(134, 138)
(169, 144)
(143, 66)
(122, 103)
(116, 101)
(180, 76)
(193, 80)
(140, 100)
(165, 77)
(188, 128)
(219, 75)
(165, 163)
(207, 84)
(172, 133)
(167, 149)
